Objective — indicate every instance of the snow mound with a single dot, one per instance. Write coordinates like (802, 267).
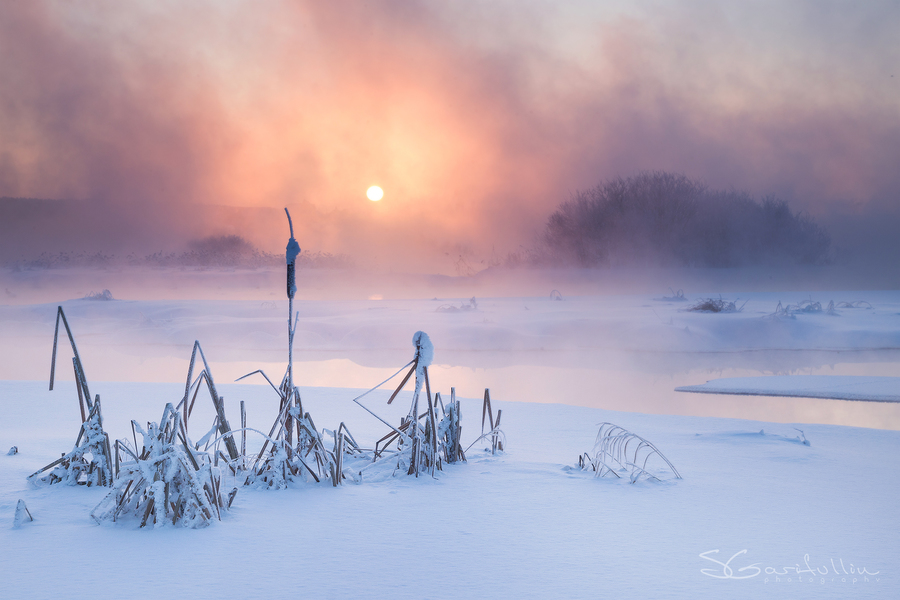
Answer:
(835, 387)
(424, 348)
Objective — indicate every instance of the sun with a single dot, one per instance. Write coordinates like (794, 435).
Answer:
(374, 193)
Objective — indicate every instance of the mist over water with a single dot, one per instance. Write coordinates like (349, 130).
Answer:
(138, 136)
(610, 342)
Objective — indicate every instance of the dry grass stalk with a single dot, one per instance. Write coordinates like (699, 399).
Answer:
(716, 305)
(807, 307)
(424, 440)
(677, 296)
(857, 304)
(495, 434)
(617, 450)
(167, 482)
(450, 429)
(89, 463)
(281, 459)
(243, 430)
(218, 402)
(469, 306)
(288, 459)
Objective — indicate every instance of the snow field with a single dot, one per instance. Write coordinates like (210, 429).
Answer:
(524, 524)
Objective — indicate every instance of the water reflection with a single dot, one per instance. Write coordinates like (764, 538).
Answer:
(643, 382)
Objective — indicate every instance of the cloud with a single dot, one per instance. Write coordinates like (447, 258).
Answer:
(476, 119)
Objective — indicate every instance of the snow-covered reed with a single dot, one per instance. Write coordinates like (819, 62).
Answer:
(166, 482)
(618, 451)
(89, 463)
(716, 305)
(494, 435)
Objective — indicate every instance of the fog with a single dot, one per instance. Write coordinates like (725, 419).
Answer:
(161, 123)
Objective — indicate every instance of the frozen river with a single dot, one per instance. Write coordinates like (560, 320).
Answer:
(619, 352)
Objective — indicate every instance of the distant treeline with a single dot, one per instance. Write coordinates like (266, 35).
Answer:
(658, 218)
(226, 251)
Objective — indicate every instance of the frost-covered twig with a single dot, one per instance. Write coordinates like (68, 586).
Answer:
(167, 482)
(495, 434)
(450, 428)
(856, 304)
(808, 307)
(89, 463)
(463, 306)
(617, 450)
(677, 296)
(716, 305)
(218, 402)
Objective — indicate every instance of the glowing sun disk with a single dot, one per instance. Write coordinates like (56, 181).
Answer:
(374, 193)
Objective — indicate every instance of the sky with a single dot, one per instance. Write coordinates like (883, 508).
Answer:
(476, 118)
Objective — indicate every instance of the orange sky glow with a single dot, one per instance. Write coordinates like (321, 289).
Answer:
(477, 119)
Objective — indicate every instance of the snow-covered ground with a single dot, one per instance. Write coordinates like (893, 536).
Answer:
(524, 524)
(834, 387)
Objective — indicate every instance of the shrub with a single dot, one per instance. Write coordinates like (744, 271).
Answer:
(658, 218)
